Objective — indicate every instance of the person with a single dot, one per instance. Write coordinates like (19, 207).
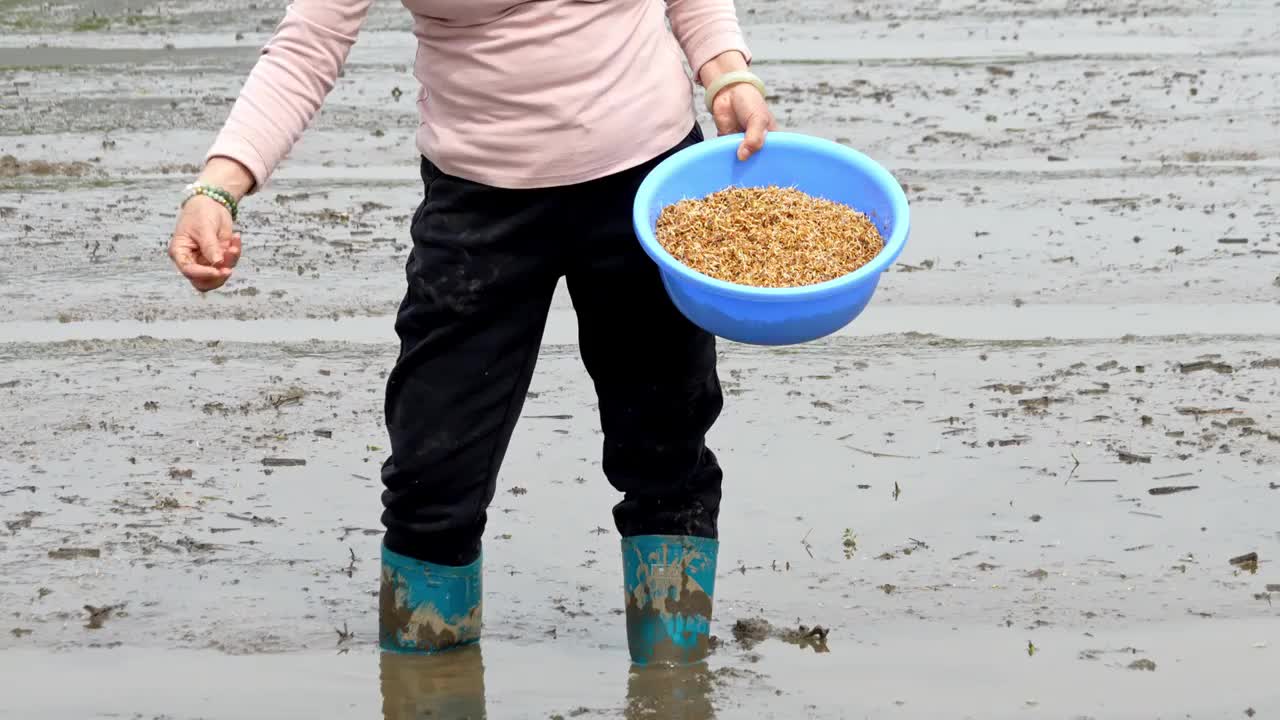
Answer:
(538, 121)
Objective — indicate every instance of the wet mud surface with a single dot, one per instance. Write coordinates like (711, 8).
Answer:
(1039, 478)
(970, 500)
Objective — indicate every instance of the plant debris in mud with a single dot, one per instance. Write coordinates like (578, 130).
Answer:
(1218, 367)
(192, 545)
(768, 237)
(344, 635)
(74, 553)
(1040, 405)
(1133, 458)
(750, 632)
(167, 503)
(292, 396)
(1247, 562)
(12, 167)
(912, 546)
(1172, 489)
(99, 615)
(24, 521)
(253, 519)
(283, 462)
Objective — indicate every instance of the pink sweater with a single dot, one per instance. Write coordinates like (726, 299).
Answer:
(514, 93)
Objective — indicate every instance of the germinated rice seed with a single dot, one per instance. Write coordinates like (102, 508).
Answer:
(769, 237)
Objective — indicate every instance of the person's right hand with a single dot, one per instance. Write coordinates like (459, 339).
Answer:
(205, 247)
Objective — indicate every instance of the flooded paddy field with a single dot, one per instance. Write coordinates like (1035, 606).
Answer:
(1039, 478)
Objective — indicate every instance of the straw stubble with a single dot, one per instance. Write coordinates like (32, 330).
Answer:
(769, 237)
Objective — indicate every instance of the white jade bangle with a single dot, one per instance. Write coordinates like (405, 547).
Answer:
(732, 78)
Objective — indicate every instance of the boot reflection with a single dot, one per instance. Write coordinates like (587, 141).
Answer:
(669, 693)
(449, 685)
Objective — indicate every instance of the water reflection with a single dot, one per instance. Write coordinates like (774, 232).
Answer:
(449, 685)
(670, 693)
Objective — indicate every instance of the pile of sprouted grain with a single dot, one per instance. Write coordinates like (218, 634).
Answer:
(769, 237)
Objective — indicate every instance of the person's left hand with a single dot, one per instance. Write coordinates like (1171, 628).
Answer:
(741, 108)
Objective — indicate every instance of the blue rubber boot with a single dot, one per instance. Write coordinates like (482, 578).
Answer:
(669, 582)
(427, 608)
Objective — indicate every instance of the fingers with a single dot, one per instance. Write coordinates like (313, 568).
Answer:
(726, 119)
(205, 279)
(205, 248)
(192, 267)
(232, 251)
(742, 109)
(208, 285)
(191, 261)
(757, 126)
(210, 247)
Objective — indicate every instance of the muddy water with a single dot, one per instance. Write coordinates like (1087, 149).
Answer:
(942, 521)
(959, 488)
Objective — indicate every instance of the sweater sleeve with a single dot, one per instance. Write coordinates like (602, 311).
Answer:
(705, 29)
(294, 74)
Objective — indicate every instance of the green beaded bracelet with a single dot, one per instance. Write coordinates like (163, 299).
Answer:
(215, 193)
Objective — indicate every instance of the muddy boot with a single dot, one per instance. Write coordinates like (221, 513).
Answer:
(427, 608)
(669, 582)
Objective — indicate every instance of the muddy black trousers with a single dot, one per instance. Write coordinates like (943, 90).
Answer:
(484, 266)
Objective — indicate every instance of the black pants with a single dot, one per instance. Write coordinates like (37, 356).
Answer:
(484, 265)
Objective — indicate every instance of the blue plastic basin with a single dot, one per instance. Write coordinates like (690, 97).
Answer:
(773, 316)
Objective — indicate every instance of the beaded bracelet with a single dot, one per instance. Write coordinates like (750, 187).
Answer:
(215, 193)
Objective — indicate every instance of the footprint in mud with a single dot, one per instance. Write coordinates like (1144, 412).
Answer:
(750, 632)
